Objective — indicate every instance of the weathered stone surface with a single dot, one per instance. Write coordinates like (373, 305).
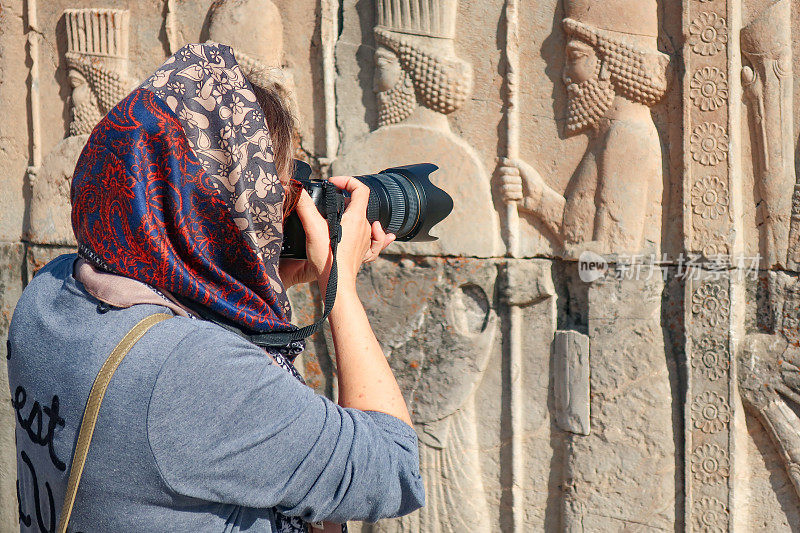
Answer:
(631, 416)
(622, 126)
(15, 138)
(50, 221)
(12, 257)
(37, 256)
(316, 362)
(437, 321)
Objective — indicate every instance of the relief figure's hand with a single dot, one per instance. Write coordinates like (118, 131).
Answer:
(520, 182)
(510, 182)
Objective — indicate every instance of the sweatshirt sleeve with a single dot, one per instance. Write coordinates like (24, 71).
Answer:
(227, 425)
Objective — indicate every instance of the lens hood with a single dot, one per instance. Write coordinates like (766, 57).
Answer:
(434, 204)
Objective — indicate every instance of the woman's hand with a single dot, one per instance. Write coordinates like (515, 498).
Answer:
(361, 243)
(294, 271)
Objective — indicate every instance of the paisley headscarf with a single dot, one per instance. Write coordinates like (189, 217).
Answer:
(177, 188)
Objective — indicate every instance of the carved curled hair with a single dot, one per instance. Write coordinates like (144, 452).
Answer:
(442, 83)
(640, 74)
(108, 86)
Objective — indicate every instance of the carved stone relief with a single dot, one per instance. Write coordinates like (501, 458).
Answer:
(571, 380)
(629, 400)
(254, 29)
(767, 81)
(768, 361)
(438, 325)
(613, 72)
(97, 61)
(533, 392)
(710, 229)
(97, 58)
(768, 380)
(418, 81)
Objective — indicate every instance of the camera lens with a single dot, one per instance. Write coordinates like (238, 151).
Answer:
(405, 202)
(402, 199)
(392, 201)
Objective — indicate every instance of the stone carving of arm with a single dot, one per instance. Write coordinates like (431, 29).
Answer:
(768, 381)
(522, 183)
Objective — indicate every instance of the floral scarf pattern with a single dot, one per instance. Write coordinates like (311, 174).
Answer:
(177, 188)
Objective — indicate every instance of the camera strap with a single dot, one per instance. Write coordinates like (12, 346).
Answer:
(334, 208)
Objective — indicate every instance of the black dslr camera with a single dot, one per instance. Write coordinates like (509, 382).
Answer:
(402, 199)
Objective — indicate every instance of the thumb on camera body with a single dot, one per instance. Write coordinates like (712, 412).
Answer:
(318, 244)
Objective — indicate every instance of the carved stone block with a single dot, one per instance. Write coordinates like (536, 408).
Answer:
(437, 322)
(11, 266)
(632, 410)
(527, 282)
(571, 381)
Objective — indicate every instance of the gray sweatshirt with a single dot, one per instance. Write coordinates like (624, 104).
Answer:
(198, 431)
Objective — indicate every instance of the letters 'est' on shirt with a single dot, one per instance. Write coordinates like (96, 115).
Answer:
(199, 430)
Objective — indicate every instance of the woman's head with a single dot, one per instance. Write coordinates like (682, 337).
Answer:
(181, 187)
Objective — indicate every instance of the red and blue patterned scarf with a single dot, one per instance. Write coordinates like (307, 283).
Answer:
(177, 188)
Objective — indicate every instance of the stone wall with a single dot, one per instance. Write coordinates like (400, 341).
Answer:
(606, 334)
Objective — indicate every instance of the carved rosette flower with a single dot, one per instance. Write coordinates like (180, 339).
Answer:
(709, 88)
(710, 464)
(710, 516)
(708, 34)
(710, 412)
(710, 303)
(710, 197)
(710, 243)
(710, 358)
(709, 144)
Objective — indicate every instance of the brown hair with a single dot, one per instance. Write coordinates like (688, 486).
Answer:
(281, 125)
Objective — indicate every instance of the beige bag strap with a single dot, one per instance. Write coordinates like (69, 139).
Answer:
(93, 408)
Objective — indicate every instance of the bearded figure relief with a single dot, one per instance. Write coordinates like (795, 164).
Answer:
(97, 69)
(613, 73)
(418, 82)
(97, 59)
(769, 363)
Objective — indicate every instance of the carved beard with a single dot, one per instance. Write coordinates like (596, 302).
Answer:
(396, 104)
(85, 117)
(587, 103)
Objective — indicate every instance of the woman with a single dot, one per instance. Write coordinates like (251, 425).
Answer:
(178, 200)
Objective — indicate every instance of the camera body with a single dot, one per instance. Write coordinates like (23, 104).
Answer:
(402, 199)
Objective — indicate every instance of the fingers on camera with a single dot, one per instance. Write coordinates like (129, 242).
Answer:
(309, 215)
